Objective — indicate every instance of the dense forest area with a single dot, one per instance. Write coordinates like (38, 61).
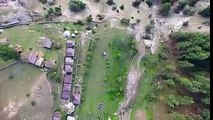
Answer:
(182, 79)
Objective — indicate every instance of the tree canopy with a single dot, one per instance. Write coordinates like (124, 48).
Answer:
(7, 53)
(76, 5)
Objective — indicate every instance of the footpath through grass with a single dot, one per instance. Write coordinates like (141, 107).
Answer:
(148, 63)
(106, 77)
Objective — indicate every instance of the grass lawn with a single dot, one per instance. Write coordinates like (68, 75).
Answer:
(28, 36)
(96, 89)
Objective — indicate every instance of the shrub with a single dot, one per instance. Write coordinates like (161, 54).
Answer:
(149, 3)
(33, 103)
(182, 3)
(54, 75)
(192, 2)
(188, 10)
(57, 11)
(125, 21)
(28, 95)
(205, 12)
(89, 18)
(165, 8)
(122, 7)
(110, 2)
(136, 3)
(76, 5)
(7, 53)
(166, 1)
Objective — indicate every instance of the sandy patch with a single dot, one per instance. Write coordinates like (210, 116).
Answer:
(140, 115)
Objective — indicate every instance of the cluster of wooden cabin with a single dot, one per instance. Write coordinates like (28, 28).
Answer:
(66, 94)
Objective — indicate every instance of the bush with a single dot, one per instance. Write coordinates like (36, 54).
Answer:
(205, 12)
(76, 5)
(188, 10)
(122, 7)
(192, 2)
(28, 95)
(166, 1)
(79, 22)
(54, 75)
(110, 2)
(125, 21)
(7, 53)
(33, 103)
(149, 3)
(57, 11)
(136, 3)
(89, 18)
(182, 3)
(165, 8)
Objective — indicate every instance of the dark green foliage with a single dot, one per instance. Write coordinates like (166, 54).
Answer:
(194, 48)
(53, 12)
(57, 11)
(165, 8)
(182, 3)
(149, 3)
(122, 7)
(125, 21)
(166, 1)
(110, 2)
(76, 5)
(79, 22)
(170, 82)
(205, 114)
(185, 64)
(188, 10)
(28, 95)
(125, 46)
(7, 53)
(150, 97)
(192, 2)
(136, 3)
(172, 100)
(53, 74)
(89, 18)
(33, 103)
(205, 12)
(178, 116)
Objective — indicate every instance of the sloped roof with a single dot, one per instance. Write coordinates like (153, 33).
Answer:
(57, 116)
(68, 61)
(32, 58)
(67, 86)
(47, 43)
(68, 79)
(76, 99)
(65, 95)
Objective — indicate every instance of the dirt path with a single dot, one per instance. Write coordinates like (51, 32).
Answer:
(133, 77)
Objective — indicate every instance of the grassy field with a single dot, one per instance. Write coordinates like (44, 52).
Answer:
(28, 36)
(96, 85)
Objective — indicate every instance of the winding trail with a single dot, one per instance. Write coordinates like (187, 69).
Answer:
(133, 77)
(135, 71)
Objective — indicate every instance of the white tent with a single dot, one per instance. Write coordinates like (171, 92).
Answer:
(70, 118)
(66, 34)
(70, 107)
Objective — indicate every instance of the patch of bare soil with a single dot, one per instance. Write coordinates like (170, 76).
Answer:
(41, 94)
(140, 115)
